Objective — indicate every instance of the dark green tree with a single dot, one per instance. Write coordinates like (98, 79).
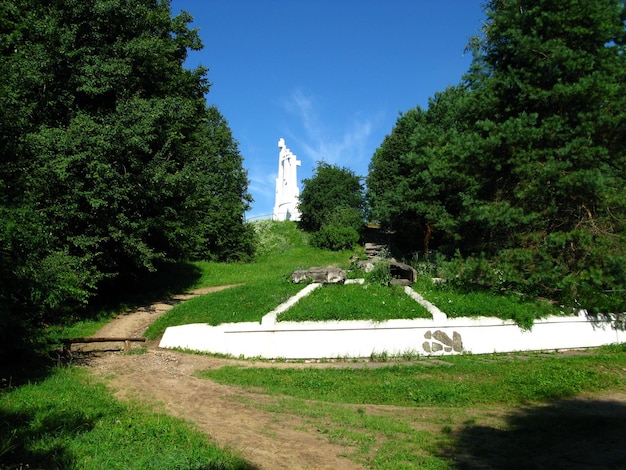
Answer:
(111, 162)
(333, 201)
(524, 164)
(225, 235)
(549, 104)
(416, 182)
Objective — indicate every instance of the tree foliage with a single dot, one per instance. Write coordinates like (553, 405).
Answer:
(523, 163)
(332, 203)
(111, 162)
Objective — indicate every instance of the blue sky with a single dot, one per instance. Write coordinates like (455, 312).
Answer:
(328, 76)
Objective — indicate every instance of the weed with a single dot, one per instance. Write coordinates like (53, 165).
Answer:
(380, 274)
(382, 356)
(136, 351)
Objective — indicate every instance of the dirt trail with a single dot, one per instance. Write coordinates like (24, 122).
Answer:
(165, 378)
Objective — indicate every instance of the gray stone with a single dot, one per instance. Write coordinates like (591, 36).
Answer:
(366, 265)
(457, 342)
(443, 338)
(328, 275)
(402, 271)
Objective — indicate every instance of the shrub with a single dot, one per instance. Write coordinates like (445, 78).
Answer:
(334, 237)
(381, 274)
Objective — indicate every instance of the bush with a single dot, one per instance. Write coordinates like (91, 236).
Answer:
(470, 273)
(333, 237)
(381, 274)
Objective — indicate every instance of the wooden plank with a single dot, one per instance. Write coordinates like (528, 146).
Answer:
(99, 340)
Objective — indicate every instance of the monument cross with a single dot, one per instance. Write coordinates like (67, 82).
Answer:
(287, 192)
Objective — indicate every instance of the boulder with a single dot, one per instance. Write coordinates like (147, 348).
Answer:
(402, 271)
(328, 275)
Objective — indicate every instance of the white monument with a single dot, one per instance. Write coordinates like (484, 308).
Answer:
(287, 192)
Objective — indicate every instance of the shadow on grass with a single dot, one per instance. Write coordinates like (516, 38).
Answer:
(17, 433)
(24, 444)
(141, 288)
(572, 434)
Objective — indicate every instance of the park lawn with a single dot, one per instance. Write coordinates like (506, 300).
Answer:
(355, 302)
(494, 411)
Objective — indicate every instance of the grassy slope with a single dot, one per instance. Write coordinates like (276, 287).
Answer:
(355, 302)
(283, 250)
(523, 311)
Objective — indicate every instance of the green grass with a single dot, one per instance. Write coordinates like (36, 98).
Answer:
(375, 440)
(355, 302)
(454, 303)
(467, 380)
(496, 409)
(246, 303)
(284, 249)
(68, 422)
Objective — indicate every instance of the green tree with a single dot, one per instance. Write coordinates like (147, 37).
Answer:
(333, 197)
(551, 120)
(523, 164)
(110, 158)
(224, 234)
(416, 182)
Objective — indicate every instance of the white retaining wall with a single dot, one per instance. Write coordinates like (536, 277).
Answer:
(438, 336)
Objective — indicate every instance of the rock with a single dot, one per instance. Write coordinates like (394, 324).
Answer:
(372, 250)
(400, 282)
(366, 266)
(328, 275)
(402, 271)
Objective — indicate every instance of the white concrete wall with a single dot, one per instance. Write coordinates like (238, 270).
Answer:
(316, 340)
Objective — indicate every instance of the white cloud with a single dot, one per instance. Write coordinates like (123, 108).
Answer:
(263, 183)
(345, 143)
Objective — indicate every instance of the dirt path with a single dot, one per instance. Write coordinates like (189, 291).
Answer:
(165, 378)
